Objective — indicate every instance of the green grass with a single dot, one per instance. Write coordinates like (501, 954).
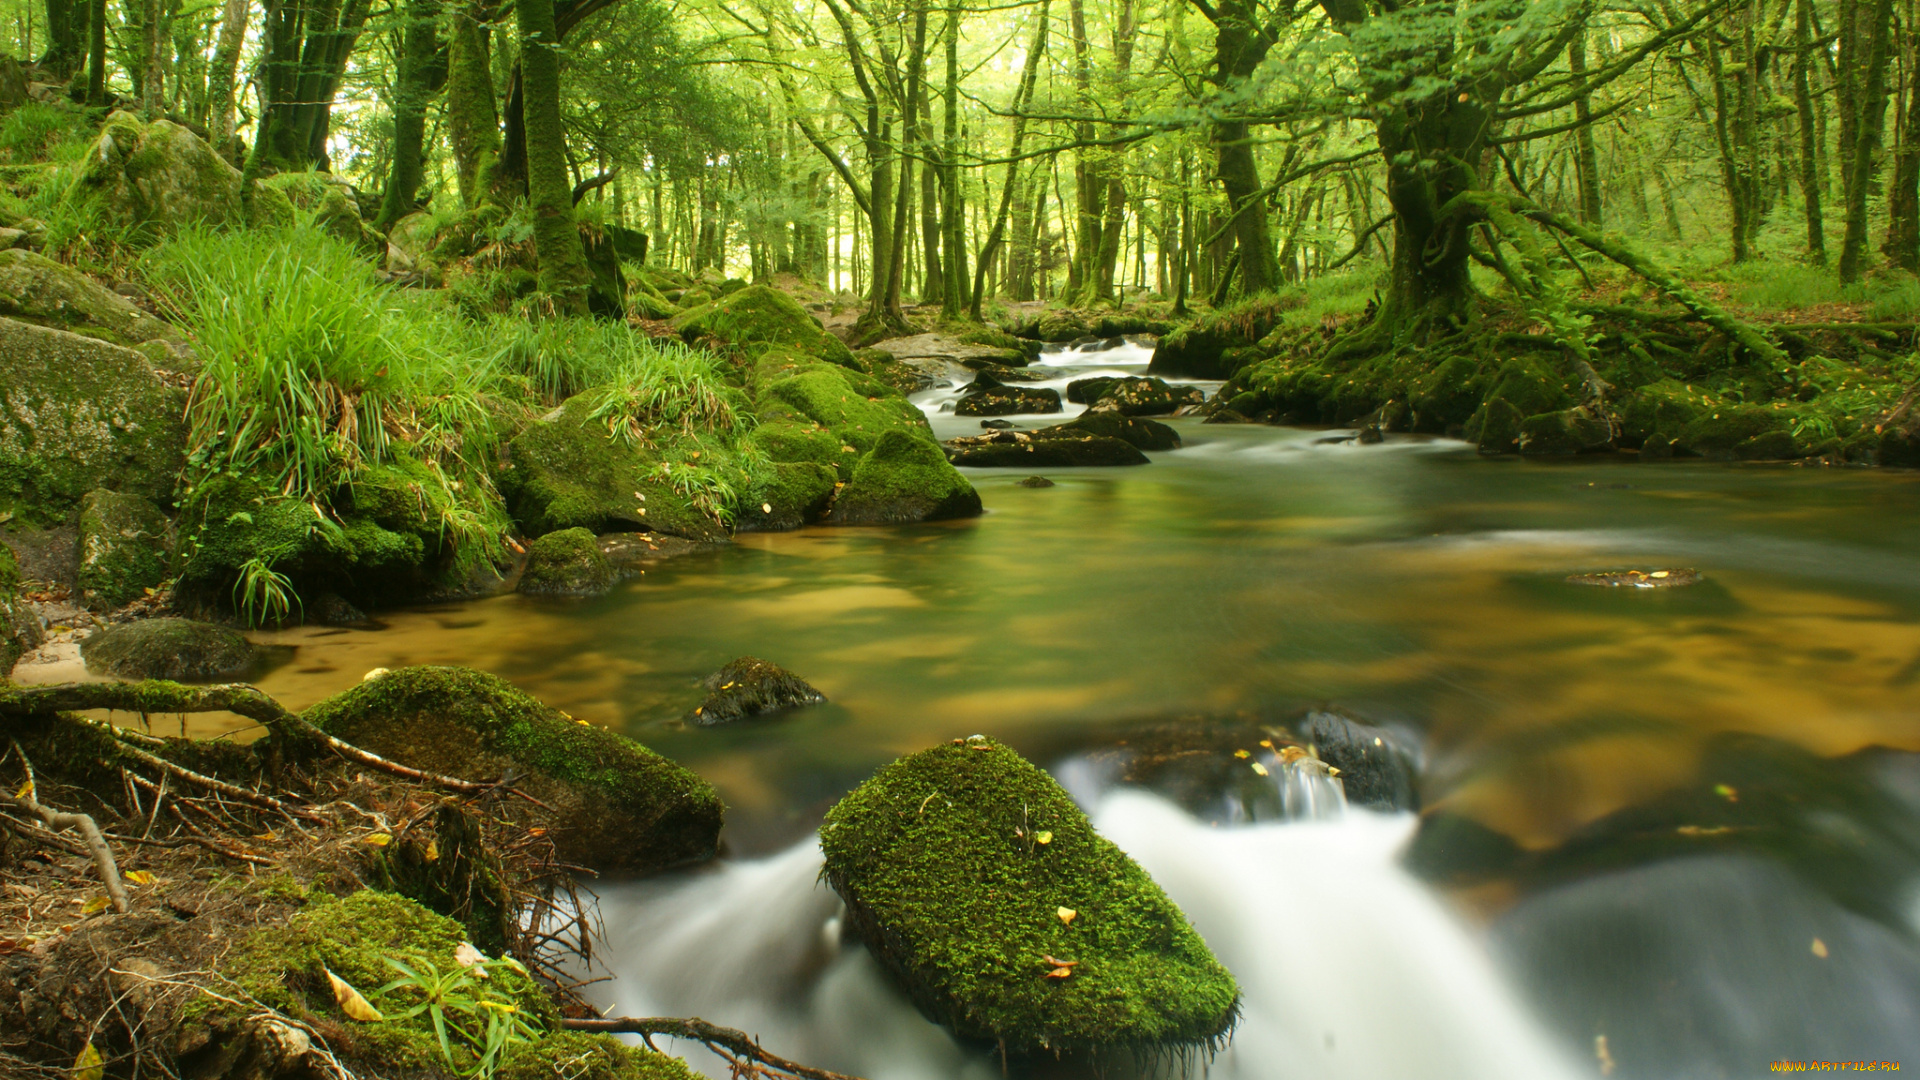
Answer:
(38, 132)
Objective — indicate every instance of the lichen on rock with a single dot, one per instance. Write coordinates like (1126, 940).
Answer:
(985, 892)
(161, 177)
(125, 548)
(35, 289)
(614, 804)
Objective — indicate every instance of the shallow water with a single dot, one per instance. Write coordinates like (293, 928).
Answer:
(1258, 573)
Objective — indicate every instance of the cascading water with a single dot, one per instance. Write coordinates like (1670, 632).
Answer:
(1058, 366)
(1349, 967)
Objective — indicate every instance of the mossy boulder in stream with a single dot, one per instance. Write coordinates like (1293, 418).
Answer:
(176, 649)
(78, 414)
(987, 895)
(125, 547)
(905, 478)
(761, 316)
(615, 805)
(567, 563)
(569, 471)
(1521, 388)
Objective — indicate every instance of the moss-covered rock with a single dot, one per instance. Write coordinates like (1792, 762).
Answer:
(986, 893)
(124, 547)
(330, 200)
(1522, 387)
(905, 478)
(567, 563)
(1215, 345)
(790, 494)
(614, 804)
(751, 686)
(176, 649)
(1134, 396)
(160, 176)
(1063, 448)
(77, 414)
(1566, 431)
(1144, 434)
(760, 316)
(988, 396)
(35, 289)
(286, 968)
(568, 471)
(576, 1055)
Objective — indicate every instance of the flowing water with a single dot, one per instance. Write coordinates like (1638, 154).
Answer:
(1668, 832)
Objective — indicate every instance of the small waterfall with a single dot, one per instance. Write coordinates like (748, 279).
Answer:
(1351, 969)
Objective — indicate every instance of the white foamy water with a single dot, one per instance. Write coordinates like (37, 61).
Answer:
(1062, 365)
(1350, 969)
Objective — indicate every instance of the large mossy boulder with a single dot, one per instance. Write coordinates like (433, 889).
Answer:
(569, 471)
(35, 289)
(1145, 434)
(78, 414)
(905, 478)
(760, 315)
(124, 548)
(179, 650)
(567, 563)
(161, 177)
(985, 892)
(988, 396)
(1565, 431)
(611, 804)
(1522, 387)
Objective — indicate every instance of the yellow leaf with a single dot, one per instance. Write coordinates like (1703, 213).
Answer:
(1726, 792)
(766, 508)
(97, 904)
(139, 877)
(350, 1001)
(1241, 754)
(26, 792)
(1259, 769)
(1819, 948)
(1066, 914)
(433, 851)
(378, 839)
(88, 1065)
(1043, 837)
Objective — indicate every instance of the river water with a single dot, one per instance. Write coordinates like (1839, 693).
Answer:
(1683, 825)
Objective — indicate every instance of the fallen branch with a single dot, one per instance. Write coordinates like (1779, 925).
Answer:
(90, 831)
(730, 1043)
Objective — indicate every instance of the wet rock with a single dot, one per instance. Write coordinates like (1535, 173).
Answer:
(988, 396)
(791, 494)
(35, 289)
(176, 649)
(1005, 374)
(1216, 345)
(750, 686)
(125, 548)
(1145, 434)
(614, 804)
(1028, 450)
(1377, 766)
(984, 892)
(1134, 396)
(905, 478)
(1034, 482)
(759, 316)
(1567, 431)
(1637, 579)
(567, 562)
(332, 609)
(78, 414)
(997, 425)
(1523, 387)
(568, 471)
(1457, 850)
(953, 350)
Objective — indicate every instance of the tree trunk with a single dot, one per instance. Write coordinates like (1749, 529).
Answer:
(954, 298)
(153, 73)
(414, 85)
(1239, 47)
(97, 52)
(1810, 183)
(473, 123)
(67, 37)
(1871, 101)
(222, 75)
(556, 240)
(1903, 197)
(1586, 158)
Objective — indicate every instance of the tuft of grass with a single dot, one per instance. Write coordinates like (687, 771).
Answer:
(1783, 286)
(39, 132)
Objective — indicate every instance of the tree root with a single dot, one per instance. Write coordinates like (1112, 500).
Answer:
(96, 844)
(742, 1052)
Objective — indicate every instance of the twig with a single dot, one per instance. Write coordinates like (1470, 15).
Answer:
(90, 831)
(714, 1036)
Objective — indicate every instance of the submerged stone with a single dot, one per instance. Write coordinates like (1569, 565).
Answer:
(567, 563)
(125, 546)
(176, 649)
(1034, 482)
(1061, 449)
(987, 895)
(1637, 579)
(611, 804)
(750, 686)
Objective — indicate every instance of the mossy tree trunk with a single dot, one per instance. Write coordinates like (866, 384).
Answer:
(223, 70)
(67, 39)
(473, 121)
(96, 52)
(954, 299)
(556, 239)
(1241, 42)
(1866, 63)
(422, 69)
(1011, 192)
(304, 51)
(1585, 155)
(1811, 181)
(1902, 246)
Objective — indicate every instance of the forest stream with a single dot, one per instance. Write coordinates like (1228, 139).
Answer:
(1568, 738)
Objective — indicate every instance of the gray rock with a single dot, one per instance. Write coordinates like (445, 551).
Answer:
(751, 687)
(1377, 765)
(35, 289)
(125, 548)
(176, 649)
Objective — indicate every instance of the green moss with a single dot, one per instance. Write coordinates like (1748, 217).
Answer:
(760, 316)
(1521, 387)
(615, 804)
(569, 471)
(575, 1055)
(125, 548)
(828, 397)
(285, 968)
(1567, 431)
(789, 495)
(168, 649)
(9, 570)
(1723, 430)
(940, 862)
(904, 478)
(567, 563)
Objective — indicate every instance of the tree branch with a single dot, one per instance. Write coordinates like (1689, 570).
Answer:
(727, 1041)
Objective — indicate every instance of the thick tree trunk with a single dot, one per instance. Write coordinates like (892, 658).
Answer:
(1871, 103)
(223, 72)
(1810, 141)
(1903, 196)
(954, 298)
(153, 72)
(67, 38)
(556, 239)
(1585, 156)
(97, 52)
(473, 123)
(1238, 48)
(414, 85)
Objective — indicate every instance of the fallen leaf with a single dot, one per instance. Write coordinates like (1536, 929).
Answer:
(432, 853)
(1259, 769)
(139, 877)
(1043, 837)
(26, 792)
(350, 1001)
(1059, 973)
(1726, 792)
(1659, 573)
(1819, 948)
(97, 904)
(1703, 830)
(374, 674)
(89, 1066)
(378, 839)
(766, 508)
(1292, 754)
(1241, 754)
(1066, 914)
(1061, 963)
